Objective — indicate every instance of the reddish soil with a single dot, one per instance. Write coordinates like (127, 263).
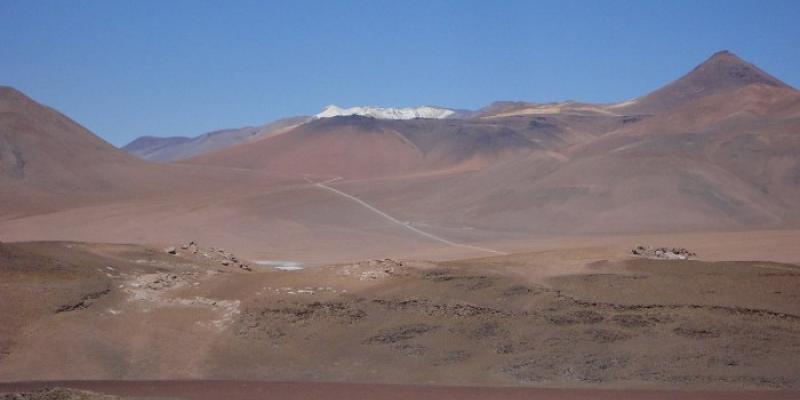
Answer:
(254, 390)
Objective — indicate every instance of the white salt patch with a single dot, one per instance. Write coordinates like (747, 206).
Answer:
(281, 264)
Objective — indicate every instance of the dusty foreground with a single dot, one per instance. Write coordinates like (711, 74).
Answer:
(579, 318)
(247, 390)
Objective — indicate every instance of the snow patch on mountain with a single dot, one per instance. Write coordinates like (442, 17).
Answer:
(387, 113)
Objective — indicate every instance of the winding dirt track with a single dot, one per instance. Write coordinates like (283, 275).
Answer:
(255, 390)
(414, 229)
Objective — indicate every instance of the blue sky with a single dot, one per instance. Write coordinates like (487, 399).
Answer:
(130, 68)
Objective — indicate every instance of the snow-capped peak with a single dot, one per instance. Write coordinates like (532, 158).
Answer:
(387, 113)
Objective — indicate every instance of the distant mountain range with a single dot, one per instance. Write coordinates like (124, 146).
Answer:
(717, 149)
(174, 148)
(387, 113)
(722, 72)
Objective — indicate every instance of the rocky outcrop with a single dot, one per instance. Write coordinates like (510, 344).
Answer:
(371, 269)
(85, 301)
(663, 253)
(57, 393)
(223, 257)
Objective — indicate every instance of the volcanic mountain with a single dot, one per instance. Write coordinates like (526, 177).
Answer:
(59, 180)
(36, 141)
(48, 162)
(45, 154)
(715, 150)
(358, 146)
(721, 73)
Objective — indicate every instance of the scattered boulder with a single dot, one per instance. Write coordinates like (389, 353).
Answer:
(663, 253)
(372, 269)
(57, 393)
(191, 246)
(211, 253)
(400, 333)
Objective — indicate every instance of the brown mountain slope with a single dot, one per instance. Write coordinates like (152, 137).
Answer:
(37, 141)
(178, 148)
(357, 147)
(70, 184)
(723, 71)
(44, 154)
(515, 108)
(724, 160)
(49, 162)
(751, 132)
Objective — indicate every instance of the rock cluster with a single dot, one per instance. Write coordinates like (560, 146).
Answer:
(663, 253)
(57, 393)
(372, 269)
(191, 246)
(221, 256)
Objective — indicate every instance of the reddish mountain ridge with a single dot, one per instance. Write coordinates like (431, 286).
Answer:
(49, 162)
(45, 154)
(722, 72)
(359, 147)
(723, 158)
(175, 148)
(720, 152)
(36, 141)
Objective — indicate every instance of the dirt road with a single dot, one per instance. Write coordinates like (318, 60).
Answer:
(324, 185)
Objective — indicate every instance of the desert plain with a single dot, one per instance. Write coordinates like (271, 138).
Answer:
(490, 254)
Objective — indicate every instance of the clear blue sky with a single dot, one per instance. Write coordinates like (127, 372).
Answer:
(130, 68)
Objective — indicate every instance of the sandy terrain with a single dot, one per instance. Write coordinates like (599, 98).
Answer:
(250, 390)
(560, 318)
(387, 288)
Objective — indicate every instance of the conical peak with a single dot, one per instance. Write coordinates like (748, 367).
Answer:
(726, 69)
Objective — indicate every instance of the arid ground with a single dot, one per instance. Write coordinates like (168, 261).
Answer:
(581, 317)
(482, 255)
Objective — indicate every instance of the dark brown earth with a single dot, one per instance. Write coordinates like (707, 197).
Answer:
(251, 390)
(564, 318)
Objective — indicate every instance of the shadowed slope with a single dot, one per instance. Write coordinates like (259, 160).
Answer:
(48, 162)
(178, 148)
(151, 147)
(44, 153)
(357, 147)
(725, 157)
(37, 141)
